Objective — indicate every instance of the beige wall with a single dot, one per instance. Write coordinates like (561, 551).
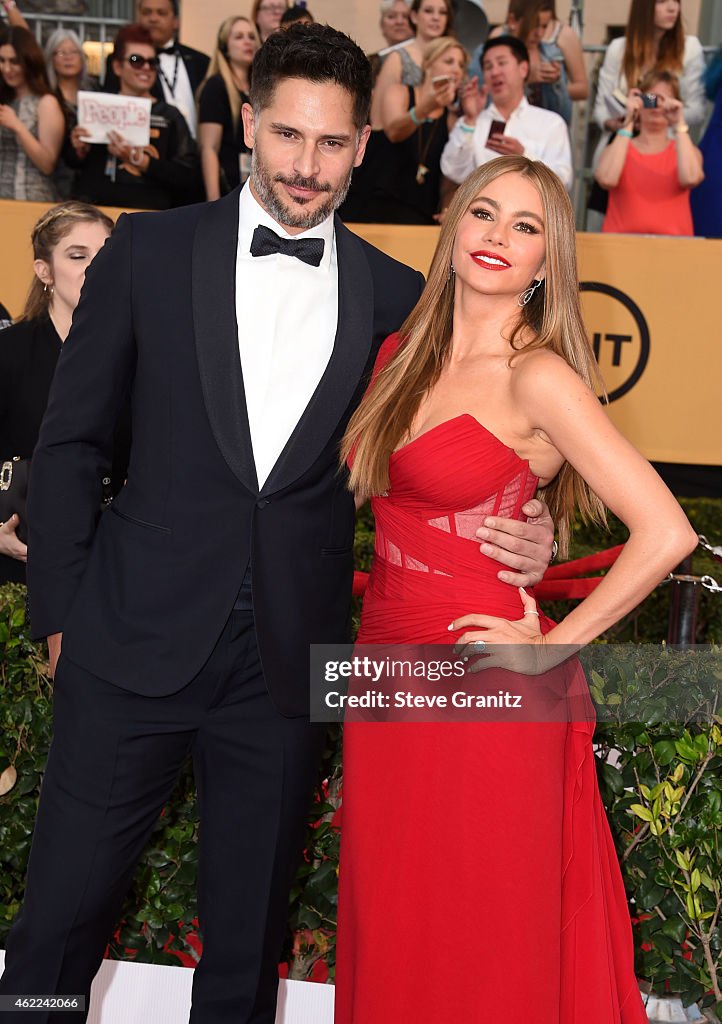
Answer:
(201, 18)
(359, 18)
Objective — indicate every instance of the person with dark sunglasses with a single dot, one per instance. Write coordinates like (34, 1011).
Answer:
(139, 62)
(181, 69)
(164, 173)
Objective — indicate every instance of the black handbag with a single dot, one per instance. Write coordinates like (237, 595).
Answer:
(14, 476)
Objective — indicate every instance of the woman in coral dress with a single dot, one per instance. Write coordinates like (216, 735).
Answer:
(479, 881)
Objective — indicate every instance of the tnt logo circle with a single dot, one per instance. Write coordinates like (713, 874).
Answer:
(619, 335)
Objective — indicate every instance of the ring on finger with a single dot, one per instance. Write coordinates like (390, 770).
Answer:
(478, 646)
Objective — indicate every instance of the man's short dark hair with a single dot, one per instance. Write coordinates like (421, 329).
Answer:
(173, 4)
(319, 54)
(517, 47)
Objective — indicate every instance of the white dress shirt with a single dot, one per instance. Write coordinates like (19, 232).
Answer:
(174, 68)
(287, 314)
(542, 133)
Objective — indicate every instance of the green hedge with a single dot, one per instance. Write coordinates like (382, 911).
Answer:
(159, 919)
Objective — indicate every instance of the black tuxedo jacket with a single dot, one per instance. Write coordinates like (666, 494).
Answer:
(196, 65)
(142, 598)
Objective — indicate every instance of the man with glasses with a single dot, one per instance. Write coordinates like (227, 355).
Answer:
(181, 69)
(162, 174)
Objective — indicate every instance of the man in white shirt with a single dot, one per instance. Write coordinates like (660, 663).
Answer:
(529, 131)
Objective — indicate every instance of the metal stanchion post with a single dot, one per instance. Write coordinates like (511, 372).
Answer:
(683, 609)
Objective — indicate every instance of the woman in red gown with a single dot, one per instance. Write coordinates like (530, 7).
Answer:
(479, 881)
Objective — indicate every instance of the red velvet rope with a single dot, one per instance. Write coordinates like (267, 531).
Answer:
(560, 583)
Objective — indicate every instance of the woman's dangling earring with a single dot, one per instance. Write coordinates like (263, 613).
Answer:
(452, 272)
(526, 296)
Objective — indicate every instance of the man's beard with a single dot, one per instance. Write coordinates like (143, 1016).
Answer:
(294, 216)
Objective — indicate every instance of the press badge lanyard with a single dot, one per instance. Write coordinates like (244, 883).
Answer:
(161, 72)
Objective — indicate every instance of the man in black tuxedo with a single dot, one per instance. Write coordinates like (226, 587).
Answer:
(181, 68)
(244, 332)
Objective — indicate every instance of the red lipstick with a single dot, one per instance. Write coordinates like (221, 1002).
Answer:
(490, 260)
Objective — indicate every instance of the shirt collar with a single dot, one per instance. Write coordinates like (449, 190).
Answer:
(494, 110)
(251, 214)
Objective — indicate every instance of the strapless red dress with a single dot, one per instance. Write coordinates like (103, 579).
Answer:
(479, 881)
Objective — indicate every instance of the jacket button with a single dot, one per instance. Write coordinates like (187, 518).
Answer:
(262, 503)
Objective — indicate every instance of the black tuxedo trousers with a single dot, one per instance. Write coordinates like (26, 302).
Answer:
(156, 665)
(113, 764)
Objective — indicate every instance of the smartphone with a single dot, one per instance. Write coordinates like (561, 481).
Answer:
(496, 128)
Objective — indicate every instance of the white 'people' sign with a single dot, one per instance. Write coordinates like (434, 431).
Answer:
(101, 112)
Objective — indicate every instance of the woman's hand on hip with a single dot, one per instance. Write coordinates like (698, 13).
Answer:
(10, 543)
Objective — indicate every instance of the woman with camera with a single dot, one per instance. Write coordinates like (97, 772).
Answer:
(649, 176)
(654, 40)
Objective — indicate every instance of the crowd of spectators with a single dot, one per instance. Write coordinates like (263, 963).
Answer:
(438, 112)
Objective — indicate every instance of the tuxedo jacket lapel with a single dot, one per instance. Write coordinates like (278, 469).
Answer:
(352, 346)
(216, 335)
(193, 62)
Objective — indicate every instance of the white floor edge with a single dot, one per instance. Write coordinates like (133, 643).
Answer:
(128, 993)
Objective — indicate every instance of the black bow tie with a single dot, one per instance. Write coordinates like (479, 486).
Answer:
(170, 49)
(265, 242)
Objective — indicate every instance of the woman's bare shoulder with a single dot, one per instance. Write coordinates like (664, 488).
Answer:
(541, 369)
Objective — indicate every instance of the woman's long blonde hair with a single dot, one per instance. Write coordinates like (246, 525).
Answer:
(220, 65)
(554, 316)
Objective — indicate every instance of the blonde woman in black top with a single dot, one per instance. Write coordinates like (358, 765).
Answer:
(220, 97)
